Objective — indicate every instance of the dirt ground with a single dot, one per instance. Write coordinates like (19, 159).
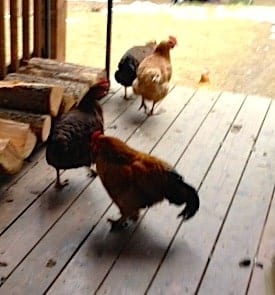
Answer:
(233, 42)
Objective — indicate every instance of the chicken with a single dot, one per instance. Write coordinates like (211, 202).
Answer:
(68, 145)
(136, 180)
(128, 64)
(204, 77)
(154, 74)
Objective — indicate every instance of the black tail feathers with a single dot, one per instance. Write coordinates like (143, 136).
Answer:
(126, 73)
(178, 192)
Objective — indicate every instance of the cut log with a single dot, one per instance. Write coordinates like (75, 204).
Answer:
(73, 91)
(40, 124)
(10, 162)
(61, 70)
(21, 136)
(32, 97)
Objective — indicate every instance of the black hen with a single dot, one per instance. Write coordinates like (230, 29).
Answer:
(128, 64)
(68, 145)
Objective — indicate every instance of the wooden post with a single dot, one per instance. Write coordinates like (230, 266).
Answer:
(26, 29)
(14, 35)
(58, 29)
(3, 68)
(38, 32)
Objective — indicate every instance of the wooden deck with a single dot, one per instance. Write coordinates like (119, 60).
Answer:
(223, 143)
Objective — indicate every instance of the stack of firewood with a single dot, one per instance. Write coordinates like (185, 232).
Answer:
(29, 99)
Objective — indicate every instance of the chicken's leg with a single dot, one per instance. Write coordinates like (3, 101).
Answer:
(125, 93)
(152, 109)
(58, 183)
(143, 105)
(92, 171)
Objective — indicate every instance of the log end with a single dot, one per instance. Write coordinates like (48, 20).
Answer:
(29, 146)
(56, 100)
(46, 128)
(10, 162)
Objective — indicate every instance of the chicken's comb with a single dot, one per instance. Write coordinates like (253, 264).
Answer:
(95, 134)
(103, 81)
(173, 40)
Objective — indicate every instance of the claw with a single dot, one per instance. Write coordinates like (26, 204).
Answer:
(117, 224)
(93, 173)
(60, 185)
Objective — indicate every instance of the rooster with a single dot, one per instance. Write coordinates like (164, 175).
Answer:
(136, 180)
(128, 64)
(68, 145)
(154, 74)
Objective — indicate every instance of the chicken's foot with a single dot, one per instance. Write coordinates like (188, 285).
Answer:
(92, 172)
(121, 223)
(118, 224)
(58, 184)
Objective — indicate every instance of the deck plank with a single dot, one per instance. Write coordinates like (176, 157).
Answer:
(243, 226)
(181, 273)
(61, 242)
(181, 132)
(264, 278)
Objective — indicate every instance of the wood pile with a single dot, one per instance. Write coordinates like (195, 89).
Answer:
(29, 100)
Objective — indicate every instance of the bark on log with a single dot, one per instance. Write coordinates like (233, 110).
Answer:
(73, 91)
(40, 124)
(10, 162)
(36, 98)
(21, 136)
(65, 71)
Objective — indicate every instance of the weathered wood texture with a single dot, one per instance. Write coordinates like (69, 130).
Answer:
(61, 70)
(26, 29)
(20, 135)
(36, 98)
(14, 65)
(10, 161)
(39, 124)
(47, 33)
(3, 69)
(58, 11)
(38, 28)
(73, 91)
(221, 143)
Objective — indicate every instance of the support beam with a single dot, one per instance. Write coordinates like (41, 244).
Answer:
(14, 65)
(2, 41)
(58, 15)
(26, 29)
